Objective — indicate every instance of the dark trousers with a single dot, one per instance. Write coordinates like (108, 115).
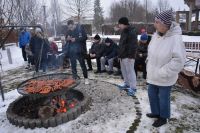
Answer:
(159, 98)
(52, 61)
(31, 60)
(82, 64)
(89, 62)
(40, 65)
(140, 65)
(24, 53)
(116, 63)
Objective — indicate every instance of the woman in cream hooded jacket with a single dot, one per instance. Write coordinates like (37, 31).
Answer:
(166, 57)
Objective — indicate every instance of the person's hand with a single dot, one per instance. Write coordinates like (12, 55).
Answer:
(116, 28)
(73, 39)
(68, 38)
(92, 55)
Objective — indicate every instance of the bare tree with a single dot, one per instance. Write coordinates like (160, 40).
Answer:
(55, 10)
(132, 9)
(163, 5)
(6, 11)
(27, 11)
(6, 15)
(78, 8)
(98, 15)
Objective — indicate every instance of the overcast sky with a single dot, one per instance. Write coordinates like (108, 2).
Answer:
(176, 4)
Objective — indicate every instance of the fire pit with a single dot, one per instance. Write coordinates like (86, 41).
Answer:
(59, 104)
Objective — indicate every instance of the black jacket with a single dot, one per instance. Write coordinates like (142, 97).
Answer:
(142, 49)
(110, 51)
(36, 45)
(78, 47)
(128, 43)
(97, 48)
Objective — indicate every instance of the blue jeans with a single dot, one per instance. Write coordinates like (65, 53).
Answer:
(159, 98)
(81, 60)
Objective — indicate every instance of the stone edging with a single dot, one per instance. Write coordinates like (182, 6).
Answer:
(50, 122)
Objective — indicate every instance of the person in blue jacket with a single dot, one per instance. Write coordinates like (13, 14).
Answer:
(76, 38)
(24, 40)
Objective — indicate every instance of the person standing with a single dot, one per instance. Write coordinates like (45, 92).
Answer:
(40, 47)
(127, 54)
(166, 58)
(53, 55)
(24, 40)
(76, 37)
(142, 55)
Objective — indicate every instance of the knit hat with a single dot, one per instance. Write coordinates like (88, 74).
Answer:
(123, 20)
(144, 37)
(165, 17)
(108, 40)
(38, 30)
(97, 37)
(70, 22)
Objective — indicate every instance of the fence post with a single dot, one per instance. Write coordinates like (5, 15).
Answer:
(9, 56)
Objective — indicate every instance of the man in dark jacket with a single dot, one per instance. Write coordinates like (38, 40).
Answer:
(142, 55)
(76, 38)
(109, 54)
(127, 53)
(96, 52)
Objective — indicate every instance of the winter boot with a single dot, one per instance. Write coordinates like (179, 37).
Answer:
(131, 92)
(159, 122)
(27, 67)
(123, 86)
(87, 81)
(150, 115)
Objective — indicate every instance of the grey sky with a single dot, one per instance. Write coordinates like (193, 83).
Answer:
(176, 4)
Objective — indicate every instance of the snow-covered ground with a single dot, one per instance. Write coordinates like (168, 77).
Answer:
(185, 107)
(17, 59)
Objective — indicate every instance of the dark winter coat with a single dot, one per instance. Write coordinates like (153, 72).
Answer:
(142, 49)
(36, 45)
(53, 48)
(128, 43)
(97, 48)
(110, 51)
(24, 38)
(77, 48)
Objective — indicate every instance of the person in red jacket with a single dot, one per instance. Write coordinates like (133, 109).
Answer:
(53, 55)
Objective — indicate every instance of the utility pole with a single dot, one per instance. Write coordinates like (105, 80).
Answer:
(44, 21)
(56, 11)
(79, 11)
(54, 26)
(146, 16)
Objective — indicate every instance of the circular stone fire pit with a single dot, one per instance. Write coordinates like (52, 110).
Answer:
(50, 110)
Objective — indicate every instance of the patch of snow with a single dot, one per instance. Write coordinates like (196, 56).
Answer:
(17, 59)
